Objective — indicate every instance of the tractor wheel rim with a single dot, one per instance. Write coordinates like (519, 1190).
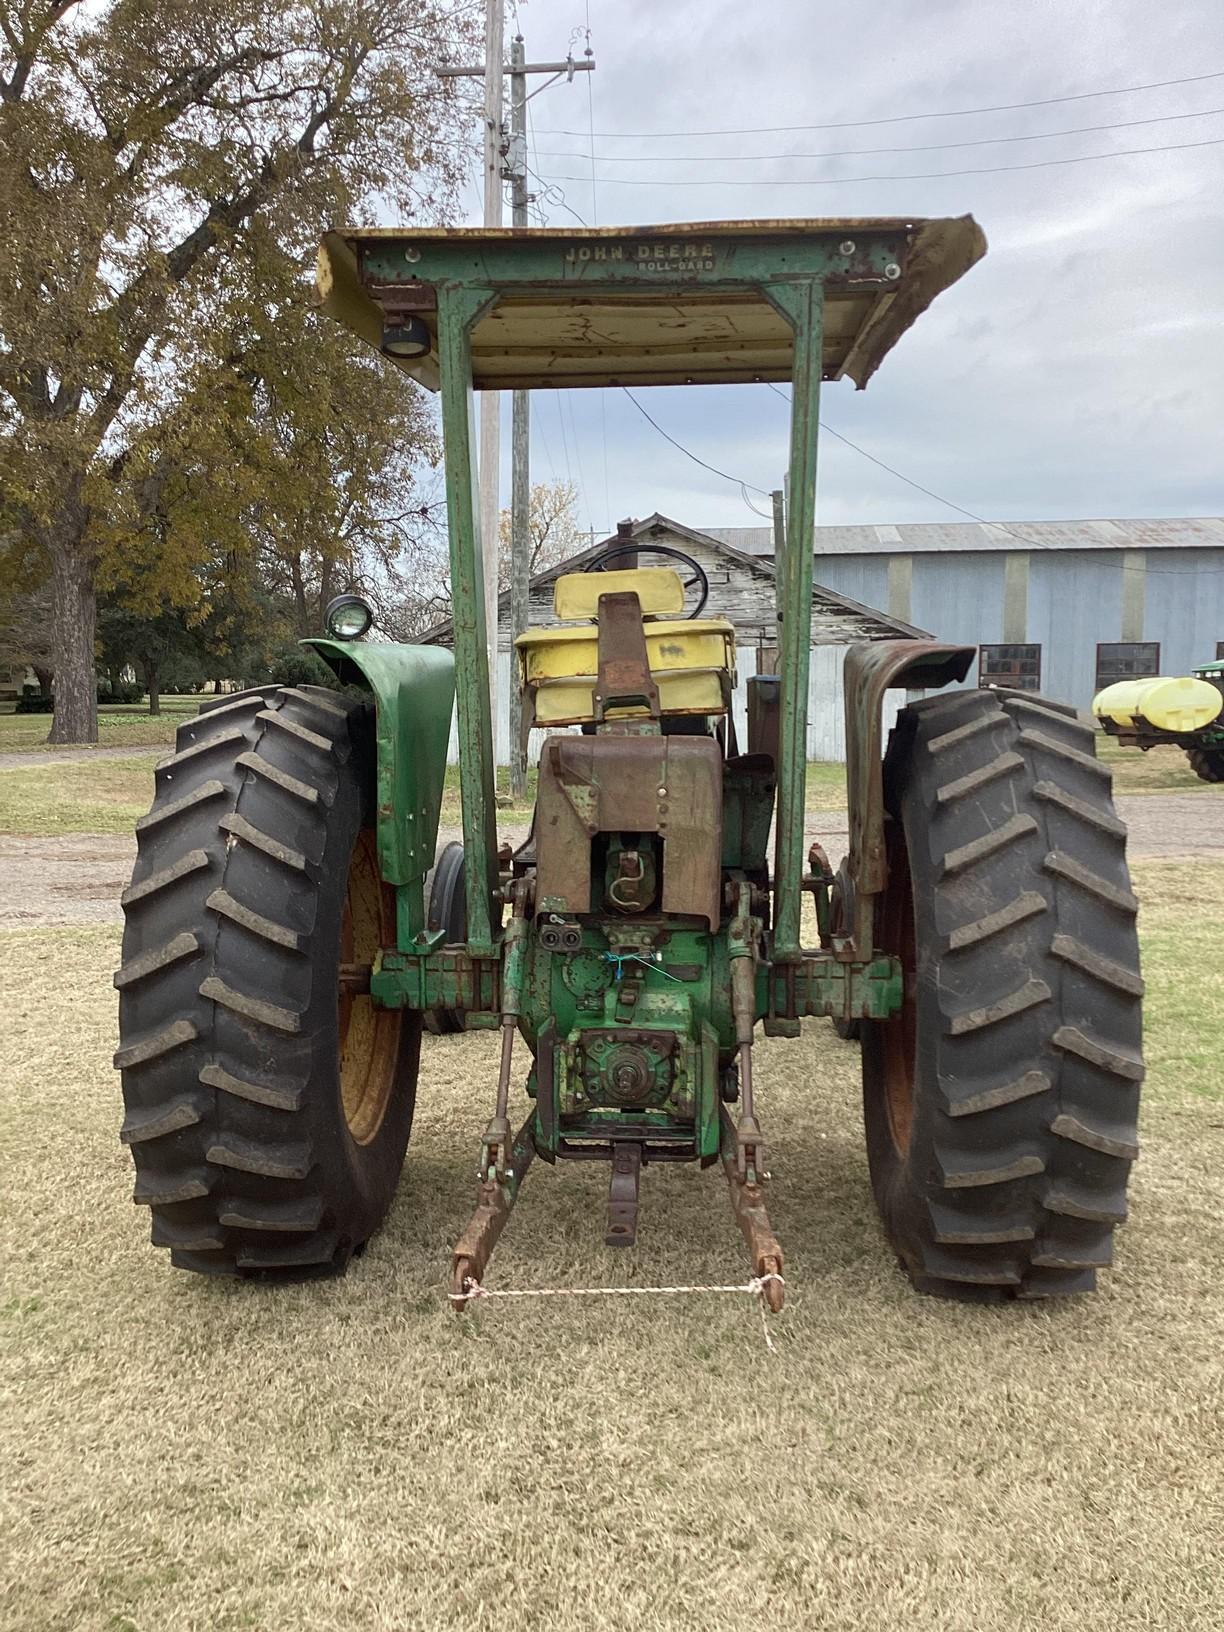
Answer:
(369, 1036)
(898, 936)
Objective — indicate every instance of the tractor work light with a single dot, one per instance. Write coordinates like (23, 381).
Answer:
(348, 617)
(411, 338)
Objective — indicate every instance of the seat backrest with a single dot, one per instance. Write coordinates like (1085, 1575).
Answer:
(658, 589)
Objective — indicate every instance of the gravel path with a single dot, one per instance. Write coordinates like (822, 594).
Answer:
(77, 879)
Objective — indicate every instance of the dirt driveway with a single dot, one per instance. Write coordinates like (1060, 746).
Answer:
(77, 879)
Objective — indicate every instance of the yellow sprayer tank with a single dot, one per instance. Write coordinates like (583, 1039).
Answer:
(1169, 705)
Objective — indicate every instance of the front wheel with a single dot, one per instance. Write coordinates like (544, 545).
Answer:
(268, 1101)
(1001, 1103)
(1207, 763)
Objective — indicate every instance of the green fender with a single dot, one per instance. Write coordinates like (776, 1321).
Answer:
(414, 693)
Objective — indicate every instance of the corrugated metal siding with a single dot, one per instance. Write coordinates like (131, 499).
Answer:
(1074, 601)
(862, 577)
(959, 596)
(1144, 533)
(1184, 606)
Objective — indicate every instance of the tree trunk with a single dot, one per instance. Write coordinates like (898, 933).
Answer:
(44, 678)
(297, 579)
(151, 675)
(74, 610)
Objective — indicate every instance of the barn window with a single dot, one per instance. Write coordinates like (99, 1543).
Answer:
(1126, 660)
(1219, 650)
(1016, 667)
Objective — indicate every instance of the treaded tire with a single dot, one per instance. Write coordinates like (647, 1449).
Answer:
(1001, 1127)
(1207, 763)
(446, 909)
(229, 1009)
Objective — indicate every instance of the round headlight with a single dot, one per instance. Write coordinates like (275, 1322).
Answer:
(348, 617)
(411, 338)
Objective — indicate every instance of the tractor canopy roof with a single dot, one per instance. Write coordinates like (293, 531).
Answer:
(685, 303)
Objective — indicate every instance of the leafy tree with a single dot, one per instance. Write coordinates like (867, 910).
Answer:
(147, 149)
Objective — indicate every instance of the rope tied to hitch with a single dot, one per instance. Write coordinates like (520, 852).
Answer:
(755, 1287)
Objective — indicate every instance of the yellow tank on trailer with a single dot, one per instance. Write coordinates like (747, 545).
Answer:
(1168, 704)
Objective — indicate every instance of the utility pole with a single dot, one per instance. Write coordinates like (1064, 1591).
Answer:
(490, 401)
(520, 433)
(514, 170)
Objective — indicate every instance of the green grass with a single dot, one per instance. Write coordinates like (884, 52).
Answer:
(826, 786)
(1182, 911)
(1160, 770)
(119, 726)
(180, 1453)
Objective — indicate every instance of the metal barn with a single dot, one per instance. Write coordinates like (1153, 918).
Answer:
(1062, 607)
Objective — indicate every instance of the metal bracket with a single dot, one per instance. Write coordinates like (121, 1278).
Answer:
(624, 678)
(496, 1199)
(623, 1195)
(748, 1205)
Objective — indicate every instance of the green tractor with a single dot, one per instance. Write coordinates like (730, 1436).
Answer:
(282, 952)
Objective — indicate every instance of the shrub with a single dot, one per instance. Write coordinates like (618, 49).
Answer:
(298, 666)
(120, 691)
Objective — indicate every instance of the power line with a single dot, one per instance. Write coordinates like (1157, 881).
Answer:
(898, 118)
(864, 152)
(688, 454)
(997, 526)
(917, 175)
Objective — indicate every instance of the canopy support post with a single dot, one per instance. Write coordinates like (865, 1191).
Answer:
(802, 304)
(458, 309)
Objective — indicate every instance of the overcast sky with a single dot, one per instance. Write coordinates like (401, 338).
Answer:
(1078, 371)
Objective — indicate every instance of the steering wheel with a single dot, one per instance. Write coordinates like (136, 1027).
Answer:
(615, 551)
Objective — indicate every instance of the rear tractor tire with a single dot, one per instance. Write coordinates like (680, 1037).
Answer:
(268, 1101)
(1001, 1105)
(1207, 763)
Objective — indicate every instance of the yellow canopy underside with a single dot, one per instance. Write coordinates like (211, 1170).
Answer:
(677, 334)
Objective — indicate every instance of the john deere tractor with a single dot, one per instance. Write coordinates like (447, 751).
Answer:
(280, 952)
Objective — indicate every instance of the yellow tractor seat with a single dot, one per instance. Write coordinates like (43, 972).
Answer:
(692, 661)
(658, 589)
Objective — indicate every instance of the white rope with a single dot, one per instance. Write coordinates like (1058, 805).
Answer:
(754, 1288)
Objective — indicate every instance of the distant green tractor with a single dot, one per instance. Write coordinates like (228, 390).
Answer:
(1158, 712)
(283, 945)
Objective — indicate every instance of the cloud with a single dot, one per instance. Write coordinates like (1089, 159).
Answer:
(1079, 370)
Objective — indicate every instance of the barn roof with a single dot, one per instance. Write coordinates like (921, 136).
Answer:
(879, 625)
(921, 538)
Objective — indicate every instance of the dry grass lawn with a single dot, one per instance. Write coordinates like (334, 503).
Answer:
(182, 1455)
(81, 796)
(108, 795)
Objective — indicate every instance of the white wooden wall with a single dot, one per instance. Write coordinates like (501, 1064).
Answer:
(826, 732)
